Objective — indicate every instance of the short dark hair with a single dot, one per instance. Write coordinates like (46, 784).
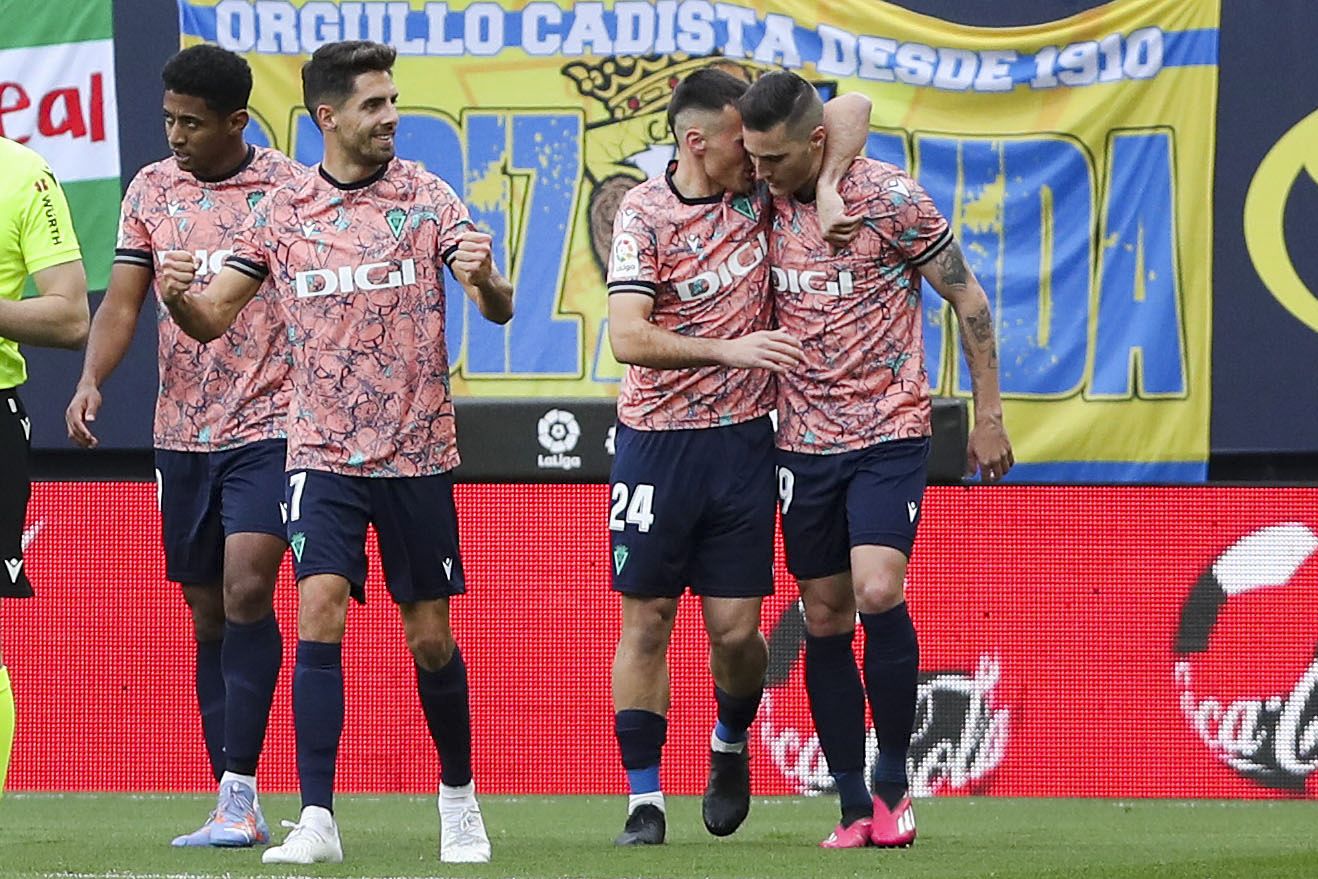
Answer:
(781, 96)
(328, 77)
(708, 88)
(217, 76)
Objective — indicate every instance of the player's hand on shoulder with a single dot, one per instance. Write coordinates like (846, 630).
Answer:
(989, 449)
(837, 226)
(473, 261)
(766, 349)
(83, 407)
(177, 270)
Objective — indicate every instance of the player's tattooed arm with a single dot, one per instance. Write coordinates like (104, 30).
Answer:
(637, 340)
(989, 449)
(473, 265)
(847, 125)
(202, 315)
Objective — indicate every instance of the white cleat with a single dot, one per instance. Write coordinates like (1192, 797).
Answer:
(314, 839)
(462, 837)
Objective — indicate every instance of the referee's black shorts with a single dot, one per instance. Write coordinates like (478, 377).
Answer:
(15, 488)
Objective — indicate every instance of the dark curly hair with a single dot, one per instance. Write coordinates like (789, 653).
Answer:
(217, 76)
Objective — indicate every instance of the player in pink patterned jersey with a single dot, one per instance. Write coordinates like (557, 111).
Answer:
(692, 483)
(853, 434)
(355, 250)
(220, 416)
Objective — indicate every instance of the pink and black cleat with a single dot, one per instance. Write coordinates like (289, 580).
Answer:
(892, 828)
(854, 835)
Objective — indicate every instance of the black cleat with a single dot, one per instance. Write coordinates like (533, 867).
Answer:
(727, 799)
(645, 826)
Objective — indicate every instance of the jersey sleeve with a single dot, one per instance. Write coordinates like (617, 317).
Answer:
(250, 252)
(905, 215)
(46, 236)
(451, 217)
(133, 246)
(634, 254)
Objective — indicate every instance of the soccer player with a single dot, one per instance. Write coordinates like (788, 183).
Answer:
(355, 249)
(37, 239)
(220, 417)
(690, 311)
(853, 434)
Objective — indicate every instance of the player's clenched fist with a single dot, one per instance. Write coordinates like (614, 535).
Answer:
(174, 277)
(473, 261)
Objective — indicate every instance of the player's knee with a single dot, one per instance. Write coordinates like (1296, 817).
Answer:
(206, 605)
(248, 598)
(645, 637)
(741, 640)
(320, 617)
(432, 650)
(646, 626)
(878, 592)
(823, 618)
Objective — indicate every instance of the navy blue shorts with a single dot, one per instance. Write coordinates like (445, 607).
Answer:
(693, 508)
(830, 503)
(415, 521)
(206, 496)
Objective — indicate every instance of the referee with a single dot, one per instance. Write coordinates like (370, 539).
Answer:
(37, 239)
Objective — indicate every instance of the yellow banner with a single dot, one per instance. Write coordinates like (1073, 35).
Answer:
(1073, 158)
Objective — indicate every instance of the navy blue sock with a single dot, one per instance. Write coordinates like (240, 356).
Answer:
(641, 736)
(210, 701)
(252, 653)
(318, 718)
(837, 704)
(735, 714)
(445, 702)
(892, 668)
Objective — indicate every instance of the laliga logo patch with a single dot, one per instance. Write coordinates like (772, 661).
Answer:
(1265, 211)
(1246, 673)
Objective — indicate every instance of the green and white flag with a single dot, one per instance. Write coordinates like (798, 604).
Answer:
(57, 96)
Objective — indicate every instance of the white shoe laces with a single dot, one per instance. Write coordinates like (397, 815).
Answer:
(303, 835)
(466, 828)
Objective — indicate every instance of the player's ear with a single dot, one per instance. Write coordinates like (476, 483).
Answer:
(817, 138)
(325, 117)
(237, 121)
(695, 141)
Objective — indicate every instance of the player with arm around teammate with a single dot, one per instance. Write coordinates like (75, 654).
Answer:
(853, 434)
(692, 488)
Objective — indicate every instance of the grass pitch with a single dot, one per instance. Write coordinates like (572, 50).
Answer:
(88, 836)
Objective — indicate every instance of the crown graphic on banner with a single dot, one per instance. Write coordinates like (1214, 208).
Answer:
(633, 85)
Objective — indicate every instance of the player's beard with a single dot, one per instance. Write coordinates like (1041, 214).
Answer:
(371, 151)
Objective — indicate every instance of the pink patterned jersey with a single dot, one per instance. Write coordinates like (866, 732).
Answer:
(235, 389)
(359, 270)
(704, 262)
(857, 313)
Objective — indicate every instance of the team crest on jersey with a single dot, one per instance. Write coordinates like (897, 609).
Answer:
(396, 217)
(743, 205)
(626, 257)
(254, 197)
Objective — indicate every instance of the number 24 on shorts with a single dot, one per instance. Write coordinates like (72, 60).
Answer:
(635, 504)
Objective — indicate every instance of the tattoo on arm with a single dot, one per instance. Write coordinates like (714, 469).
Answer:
(981, 326)
(951, 265)
(978, 337)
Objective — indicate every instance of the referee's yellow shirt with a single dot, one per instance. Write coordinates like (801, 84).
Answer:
(36, 232)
